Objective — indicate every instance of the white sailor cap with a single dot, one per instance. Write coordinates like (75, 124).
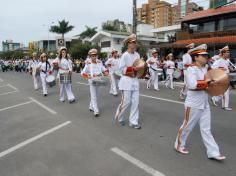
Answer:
(93, 51)
(154, 51)
(113, 51)
(226, 48)
(131, 38)
(62, 48)
(190, 46)
(34, 54)
(199, 50)
(43, 55)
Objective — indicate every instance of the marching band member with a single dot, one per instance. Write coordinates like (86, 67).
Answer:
(33, 64)
(93, 69)
(187, 61)
(129, 85)
(113, 66)
(65, 75)
(153, 65)
(170, 65)
(197, 106)
(45, 69)
(223, 63)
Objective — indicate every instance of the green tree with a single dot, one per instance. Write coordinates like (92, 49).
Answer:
(89, 32)
(62, 28)
(109, 27)
(81, 50)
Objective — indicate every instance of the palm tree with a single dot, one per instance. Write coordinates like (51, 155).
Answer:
(89, 32)
(62, 28)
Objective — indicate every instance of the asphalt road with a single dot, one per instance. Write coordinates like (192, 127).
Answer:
(40, 136)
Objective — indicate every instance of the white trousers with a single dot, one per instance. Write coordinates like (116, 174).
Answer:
(169, 81)
(153, 79)
(44, 84)
(94, 94)
(68, 89)
(36, 79)
(114, 84)
(225, 99)
(129, 97)
(203, 117)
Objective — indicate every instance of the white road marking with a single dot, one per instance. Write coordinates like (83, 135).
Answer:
(6, 93)
(24, 143)
(14, 106)
(83, 83)
(4, 86)
(147, 96)
(1, 80)
(137, 162)
(162, 99)
(43, 106)
(12, 87)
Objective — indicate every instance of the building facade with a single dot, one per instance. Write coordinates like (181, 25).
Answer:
(157, 13)
(9, 45)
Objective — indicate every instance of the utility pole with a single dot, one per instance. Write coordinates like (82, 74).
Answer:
(134, 16)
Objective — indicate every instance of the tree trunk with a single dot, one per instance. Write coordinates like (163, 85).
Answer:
(63, 38)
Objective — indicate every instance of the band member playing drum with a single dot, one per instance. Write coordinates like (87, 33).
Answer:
(187, 61)
(129, 85)
(223, 63)
(153, 65)
(65, 75)
(92, 71)
(113, 66)
(196, 105)
(33, 64)
(170, 65)
(45, 69)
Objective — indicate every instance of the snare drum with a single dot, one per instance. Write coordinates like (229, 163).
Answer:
(50, 78)
(177, 74)
(118, 74)
(65, 78)
(99, 81)
(232, 77)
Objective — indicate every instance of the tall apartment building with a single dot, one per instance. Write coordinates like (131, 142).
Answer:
(157, 13)
(185, 8)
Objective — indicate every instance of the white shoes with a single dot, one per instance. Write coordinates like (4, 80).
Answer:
(182, 150)
(219, 158)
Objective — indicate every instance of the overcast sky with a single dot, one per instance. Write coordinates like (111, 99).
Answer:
(24, 20)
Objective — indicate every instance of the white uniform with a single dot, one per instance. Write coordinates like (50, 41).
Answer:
(222, 64)
(33, 64)
(187, 60)
(44, 67)
(130, 90)
(153, 73)
(170, 70)
(65, 66)
(197, 111)
(112, 69)
(93, 69)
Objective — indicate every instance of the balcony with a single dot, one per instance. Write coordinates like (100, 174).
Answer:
(183, 35)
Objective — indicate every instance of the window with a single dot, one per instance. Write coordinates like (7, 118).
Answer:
(227, 24)
(106, 44)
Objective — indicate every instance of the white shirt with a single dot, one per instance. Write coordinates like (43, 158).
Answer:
(221, 63)
(180, 65)
(126, 82)
(170, 67)
(155, 62)
(65, 65)
(93, 69)
(187, 59)
(114, 64)
(42, 66)
(33, 64)
(196, 99)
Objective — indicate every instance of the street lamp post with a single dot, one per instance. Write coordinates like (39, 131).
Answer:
(134, 16)
(48, 27)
